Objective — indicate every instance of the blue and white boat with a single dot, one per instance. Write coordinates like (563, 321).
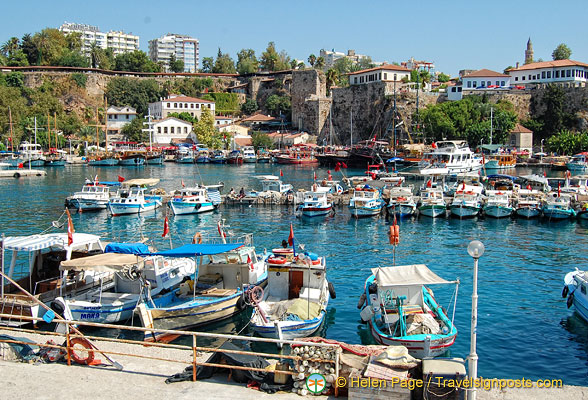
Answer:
(402, 311)
(132, 199)
(432, 204)
(132, 159)
(499, 204)
(578, 163)
(225, 272)
(576, 291)
(94, 196)
(249, 155)
(366, 202)
(192, 200)
(528, 203)
(467, 201)
(203, 156)
(316, 203)
(558, 206)
(218, 157)
(184, 155)
(401, 201)
(295, 301)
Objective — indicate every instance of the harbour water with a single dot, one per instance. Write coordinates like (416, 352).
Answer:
(524, 327)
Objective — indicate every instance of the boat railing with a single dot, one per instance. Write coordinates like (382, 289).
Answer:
(246, 239)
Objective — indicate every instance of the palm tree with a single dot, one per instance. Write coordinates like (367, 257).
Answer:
(95, 55)
(311, 60)
(332, 78)
(320, 63)
(10, 46)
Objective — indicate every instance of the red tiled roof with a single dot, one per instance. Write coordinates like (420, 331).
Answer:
(222, 117)
(188, 99)
(258, 117)
(520, 129)
(550, 64)
(388, 67)
(483, 73)
(243, 141)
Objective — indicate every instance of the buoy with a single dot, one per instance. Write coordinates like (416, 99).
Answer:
(73, 351)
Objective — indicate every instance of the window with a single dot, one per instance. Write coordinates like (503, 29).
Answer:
(452, 90)
(568, 73)
(185, 129)
(469, 84)
(380, 78)
(192, 105)
(557, 74)
(543, 75)
(186, 105)
(530, 77)
(127, 116)
(459, 89)
(180, 105)
(548, 74)
(523, 77)
(171, 129)
(475, 84)
(516, 78)
(197, 106)
(115, 116)
(209, 106)
(488, 83)
(165, 129)
(159, 129)
(168, 105)
(385, 76)
(355, 79)
(175, 105)
(192, 114)
(502, 83)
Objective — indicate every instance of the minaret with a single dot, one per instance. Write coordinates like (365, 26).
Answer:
(529, 52)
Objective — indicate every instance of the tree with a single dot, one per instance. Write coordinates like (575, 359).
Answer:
(269, 58)
(135, 61)
(247, 62)
(207, 64)
(365, 63)
(261, 140)
(205, 132)
(133, 131)
(568, 142)
(278, 105)
(10, 46)
(561, 52)
(224, 64)
(443, 77)
(332, 78)
(555, 118)
(311, 60)
(29, 49)
(320, 63)
(72, 58)
(176, 65)
(132, 92)
(249, 107)
(184, 116)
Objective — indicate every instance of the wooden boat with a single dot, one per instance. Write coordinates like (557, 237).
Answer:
(558, 206)
(366, 202)
(299, 154)
(192, 200)
(94, 196)
(235, 157)
(203, 156)
(499, 204)
(225, 272)
(500, 161)
(295, 300)
(115, 301)
(132, 199)
(31, 154)
(402, 311)
(218, 157)
(132, 159)
(528, 203)
(103, 160)
(316, 202)
(432, 204)
(401, 201)
(576, 289)
(154, 158)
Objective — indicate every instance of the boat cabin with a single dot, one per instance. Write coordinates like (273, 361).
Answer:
(292, 277)
(274, 184)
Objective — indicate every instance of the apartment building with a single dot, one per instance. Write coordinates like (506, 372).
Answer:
(183, 47)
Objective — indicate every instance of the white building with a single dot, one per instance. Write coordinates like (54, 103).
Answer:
(117, 117)
(485, 79)
(221, 120)
(168, 129)
(567, 72)
(183, 47)
(179, 104)
(384, 73)
(332, 56)
(118, 41)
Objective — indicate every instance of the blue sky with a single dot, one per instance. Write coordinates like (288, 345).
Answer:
(453, 34)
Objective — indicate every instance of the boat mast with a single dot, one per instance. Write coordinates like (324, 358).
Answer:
(49, 131)
(11, 137)
(97, 136)
(491, 115)
(351, 136)
(56, 139)
(105, 125)
(35, 129)
(331, 126)
(149, 128)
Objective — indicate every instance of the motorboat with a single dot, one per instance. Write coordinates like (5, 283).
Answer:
(132, 199)
(529, 203)
(295, 301)
(225, 272)
(218, 157)
(578, 163)
(55, 158)
(401, 201)
(263, 156)
(467, 201)
(203, 156)
(452, 155)
(558, 206)
(94, 196)
(401, 310)
(136, 279)
(184, 155)
(366, 202)
(432, 203)
(316, 202)
(193, 200)
(33, 262)
(249, 155)
(235, 157)
(575, 290)
(499, 204)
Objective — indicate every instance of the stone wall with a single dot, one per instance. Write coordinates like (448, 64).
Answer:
(309, 101)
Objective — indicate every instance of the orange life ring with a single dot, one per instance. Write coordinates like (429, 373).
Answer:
(276, 260)
(316, 262)
(394, 234)
(197, 239)
(281, 251)
(78, 357)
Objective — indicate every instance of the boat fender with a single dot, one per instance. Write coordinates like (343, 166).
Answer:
(313, 256)
(197, 239)
(570, 300)
(332, 290)
(79, 358)
(241, 304)
(565, 291)
(16, 175)
(361, 301)
(58, 307)
(373, 288)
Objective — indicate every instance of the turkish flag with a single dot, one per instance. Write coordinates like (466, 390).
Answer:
(429, 183)
(281, 173)
(291, 237)
(344, 165)
(121, 179)
(434, 145)
(249, 262)
(183, 183)
(70, 228)
(558, 189)
(165, 227)
(337, 167)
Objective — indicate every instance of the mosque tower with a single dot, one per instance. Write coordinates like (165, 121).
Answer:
(529, 52)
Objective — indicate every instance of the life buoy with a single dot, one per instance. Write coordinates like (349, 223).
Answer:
(570, 300)
(564, 292)
(394, 234)
(316, 262)
(197, 239)
(77, 354)
(276, 260)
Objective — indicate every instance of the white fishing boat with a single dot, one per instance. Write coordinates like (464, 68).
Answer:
(185, 155)
(249, 155)
(225, 272)
(135, 280)
(271, 183)
(467, 202)
(402, 311)
(576, 291)
(94, 196)
(132, 199)
(316, 202)
(192, 200)
(558, 206)
(366, 202)
(31, 154)
(499, 204)
(578, 163)
(432, 203)
(295, 301)
(401, 201)
(33, 262)
(449, 157)
(529, 203)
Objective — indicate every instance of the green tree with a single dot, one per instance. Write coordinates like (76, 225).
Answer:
(332, 78)
(30, 49)
(270, 58)
(261, 140)
(184, 116)
(133, 131)
(249, 107)
(132, 92)
(15, 79)
(311, 60)
(443, 77)
(17, 59)
(561, 52)
(277, 105)
(320, 63)
(11, 46)
(176, 65)
(72, 58)
(135, 61)
(51, 44)
(205, 131)
(365, 63)
(344, 65)
(555, 118)
(247, 62)
(568, 142)
(224, 64)
(207, 64)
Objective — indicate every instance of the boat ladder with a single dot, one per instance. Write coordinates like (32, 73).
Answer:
(10, 322)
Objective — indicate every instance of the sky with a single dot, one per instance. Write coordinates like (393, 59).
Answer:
(454, 35)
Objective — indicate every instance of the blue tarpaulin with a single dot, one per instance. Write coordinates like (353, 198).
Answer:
(126, 248)
(191, 250)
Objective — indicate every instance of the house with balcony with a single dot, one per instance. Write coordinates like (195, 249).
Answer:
(383, 73)
(179, 104)
(567, 73)
(117, 118)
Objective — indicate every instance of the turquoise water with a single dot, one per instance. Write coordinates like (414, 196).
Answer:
(524, 329)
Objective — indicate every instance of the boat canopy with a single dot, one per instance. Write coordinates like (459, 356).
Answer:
(268, 177)
(102, 262)
(126, 248)
(141, 182)
(40, 242)
(407, 275)
(192, 250)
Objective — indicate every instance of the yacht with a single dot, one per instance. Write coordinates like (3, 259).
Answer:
(32, 153)
(449, 157)
(249, 155)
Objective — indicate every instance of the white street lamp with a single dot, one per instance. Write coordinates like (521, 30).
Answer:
(475, 250)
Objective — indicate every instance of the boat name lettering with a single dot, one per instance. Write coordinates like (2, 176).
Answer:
(89, 316)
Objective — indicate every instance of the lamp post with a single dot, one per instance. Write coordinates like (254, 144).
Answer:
(541, 160)
(475, 250)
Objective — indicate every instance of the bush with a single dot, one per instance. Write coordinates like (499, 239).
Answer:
(80, 79)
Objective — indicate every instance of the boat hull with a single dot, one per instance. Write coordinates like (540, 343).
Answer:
(362, 212)
(558, 214)
(88, 204)
(461, 211)
(315, 211)
(402, 210)
(497, 211)
(155, 160)
(181, 208)
(583, 215)
(102, 313)
(132, 162)
(250, 160)
(55, 163)
(125, 208)
(528, 212)
(185, 160)
(290, 330)
(432, 211)
(107, 162)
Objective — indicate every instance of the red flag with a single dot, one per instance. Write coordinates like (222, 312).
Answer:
(220, 230)
(429, 183)
(344, 165)
(20, 165)
(250, 263)
(314, 175)
(121, 179)
(96, 180)
(529, 187)
(463, 187)
(544, 174)
(183, 183)
(434, 145)
(291, 237)
(165, 227)
(558, 189)
(281, 173)
(70, 228)
(337, 167)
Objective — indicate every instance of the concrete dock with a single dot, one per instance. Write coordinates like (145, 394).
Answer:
(21, 173)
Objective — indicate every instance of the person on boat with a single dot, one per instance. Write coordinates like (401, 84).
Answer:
(242, 193)
(186, 287)
(324, 182)
(285, 244)
(232, 193)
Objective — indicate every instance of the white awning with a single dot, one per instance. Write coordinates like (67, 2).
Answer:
(102, 262)
(141, 182)
(39, 242)
(407, 275)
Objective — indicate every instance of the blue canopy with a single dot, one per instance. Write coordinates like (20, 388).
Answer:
(192, 250)
(109, 183)
(501, 176)
(126, 248)
(394, 159)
